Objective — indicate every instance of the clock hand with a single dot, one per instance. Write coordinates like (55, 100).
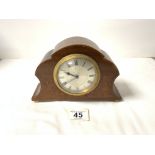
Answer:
(72, 79)
(68, 73)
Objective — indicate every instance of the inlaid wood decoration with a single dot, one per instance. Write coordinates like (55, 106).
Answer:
(76, 70)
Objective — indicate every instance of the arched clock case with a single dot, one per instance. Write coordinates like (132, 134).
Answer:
(76, 70)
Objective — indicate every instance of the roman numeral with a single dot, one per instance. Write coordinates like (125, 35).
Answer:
(90, 82)
(90, 68)
(84, 63)
(62, 70)
(76, 62)
(92, 75)
(64, 83)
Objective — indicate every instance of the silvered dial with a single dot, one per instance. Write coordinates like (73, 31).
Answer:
(77, 74)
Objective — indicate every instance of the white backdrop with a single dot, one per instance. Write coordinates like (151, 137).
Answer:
(119, 38)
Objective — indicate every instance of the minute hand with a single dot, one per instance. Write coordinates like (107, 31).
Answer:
(72, 79)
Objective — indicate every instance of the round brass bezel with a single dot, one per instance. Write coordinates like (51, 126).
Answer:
(76, 56)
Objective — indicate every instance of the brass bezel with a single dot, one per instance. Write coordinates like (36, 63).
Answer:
(73, 56)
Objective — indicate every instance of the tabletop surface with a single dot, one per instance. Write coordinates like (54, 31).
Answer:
(134, 115)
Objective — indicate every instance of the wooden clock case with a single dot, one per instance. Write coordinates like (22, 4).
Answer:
(47, 89)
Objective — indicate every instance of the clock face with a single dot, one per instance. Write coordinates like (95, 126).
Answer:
(76, 74)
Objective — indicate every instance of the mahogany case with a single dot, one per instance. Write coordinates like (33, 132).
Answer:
(47, 89)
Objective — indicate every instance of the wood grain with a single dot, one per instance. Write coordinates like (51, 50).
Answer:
(48, 91)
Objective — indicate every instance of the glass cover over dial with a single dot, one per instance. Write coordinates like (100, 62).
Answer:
(76, 74)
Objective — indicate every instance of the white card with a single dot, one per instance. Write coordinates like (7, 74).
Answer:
(79, 114)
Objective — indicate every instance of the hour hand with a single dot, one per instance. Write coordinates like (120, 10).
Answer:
(76, 76)
(68, 73)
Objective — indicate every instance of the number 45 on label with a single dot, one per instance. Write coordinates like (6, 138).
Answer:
(79, 114)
